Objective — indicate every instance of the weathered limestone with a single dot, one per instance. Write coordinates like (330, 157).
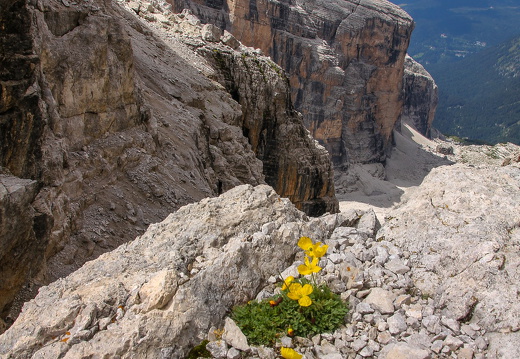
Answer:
(293, 162)
(461, 227)
(21, 227)
(344, 60)
(160, 294)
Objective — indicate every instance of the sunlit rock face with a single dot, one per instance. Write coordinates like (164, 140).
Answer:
(344, 60)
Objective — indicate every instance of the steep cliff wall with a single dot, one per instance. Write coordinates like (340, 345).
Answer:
(344, 59)
(293, 163)
(21, 127)
(117, 128)
(420, 97)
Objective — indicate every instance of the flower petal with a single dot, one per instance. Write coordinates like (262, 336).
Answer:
(289, 353)
(287, 281)
(293, 296)
(295, 287)
(305, 301)
(306, 290)
(304, 270)
(305, 243)
(313, 267)
(320, 251)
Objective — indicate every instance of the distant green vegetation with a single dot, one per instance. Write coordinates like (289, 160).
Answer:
(479, 97)
(466, 45)
(447, 30)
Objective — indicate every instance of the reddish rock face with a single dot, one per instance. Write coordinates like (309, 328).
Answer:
(344, 59)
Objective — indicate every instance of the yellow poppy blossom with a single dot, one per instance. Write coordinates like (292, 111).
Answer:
(318, 250)
(287, 281)
(305, 301)
(300, 293)
(309, 267)
(289, 353)
(312, 250)
(305, 243)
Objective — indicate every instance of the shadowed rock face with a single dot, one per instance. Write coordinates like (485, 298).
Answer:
(420, 97)
(116, 128)
(293, 162)
(21, 227)
(21, 126)
(344, 59)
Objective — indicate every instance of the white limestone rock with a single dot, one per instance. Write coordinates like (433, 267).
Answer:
(397, 324)
(233, 336)
(402, 350)
(218, 349)
(146, 290)
(233, 354)
(381, 300)
(211, 33)
(453, 343)
(461, 228)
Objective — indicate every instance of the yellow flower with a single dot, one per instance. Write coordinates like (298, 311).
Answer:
(290, 332)
(309, 267)
(287, 281)
(305, 301)
(300, 293)
(312, 250)
(289, 353)
(305, 243)
(318, 250)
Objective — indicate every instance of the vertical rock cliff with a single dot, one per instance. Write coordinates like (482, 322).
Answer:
(21, 127)
(292, 163)
(420, 97)
(108, 125)
(344, 59)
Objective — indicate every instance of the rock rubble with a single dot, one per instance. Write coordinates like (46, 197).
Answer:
(156, 296)
(389, 316)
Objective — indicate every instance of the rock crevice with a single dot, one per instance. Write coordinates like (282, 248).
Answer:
(420, 98)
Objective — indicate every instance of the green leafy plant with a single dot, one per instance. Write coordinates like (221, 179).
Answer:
(303, 307)
(199, 351)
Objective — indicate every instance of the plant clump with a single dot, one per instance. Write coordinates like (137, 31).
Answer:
(199, 351)
(303, 307)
